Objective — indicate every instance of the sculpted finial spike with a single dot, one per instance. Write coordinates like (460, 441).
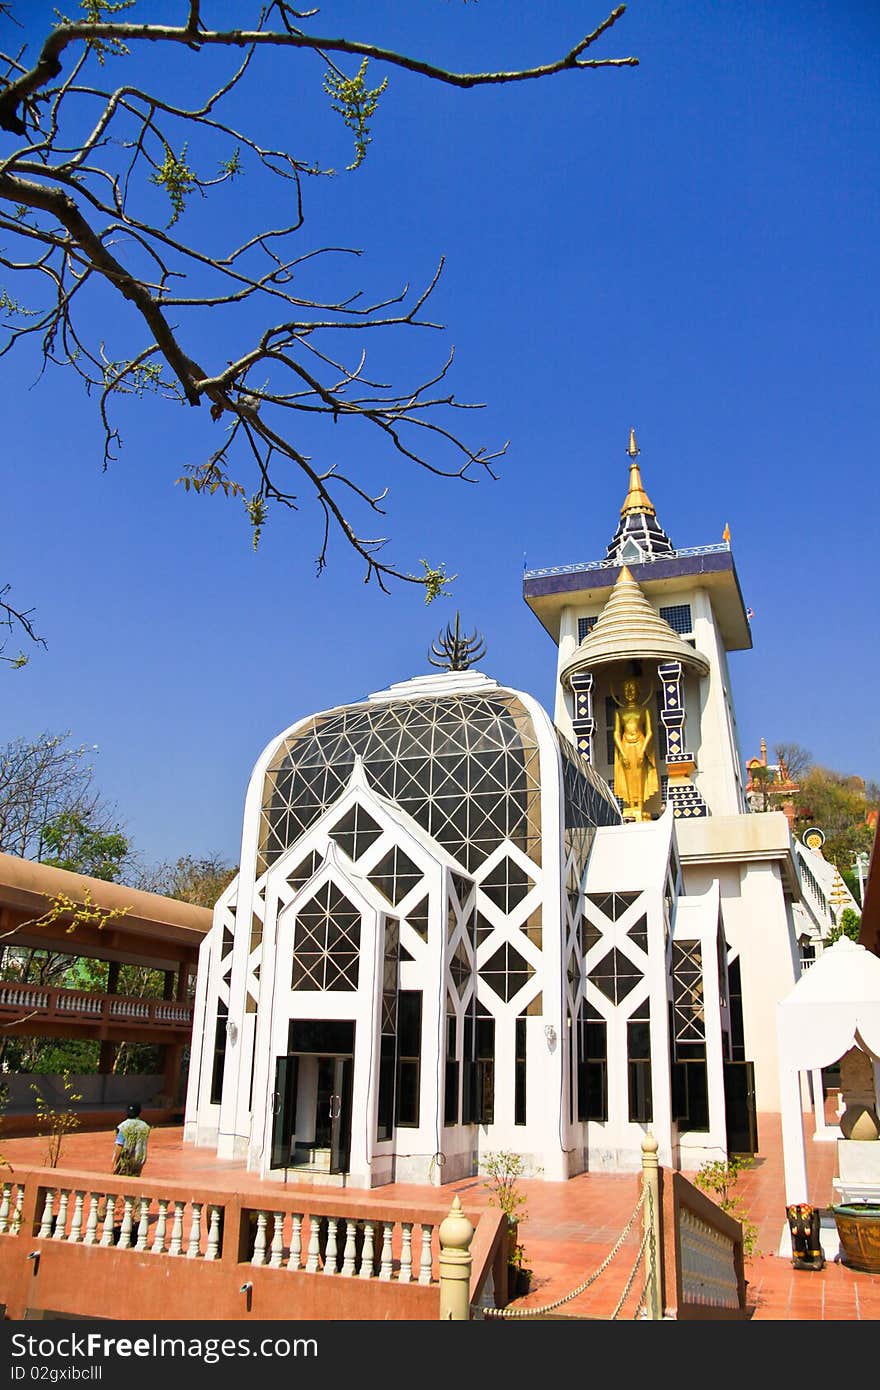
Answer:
(633, 449)
(456, 652)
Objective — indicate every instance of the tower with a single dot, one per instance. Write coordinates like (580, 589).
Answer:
(667, 618)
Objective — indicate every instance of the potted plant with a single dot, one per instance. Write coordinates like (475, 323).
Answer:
(858, 1230)
(503, 1171)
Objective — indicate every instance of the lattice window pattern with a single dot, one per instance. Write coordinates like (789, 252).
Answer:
(326, 942)
(615, 975)
(355, 832)
(678, 616)
(395, 875)
(506, 884)
(506, 972)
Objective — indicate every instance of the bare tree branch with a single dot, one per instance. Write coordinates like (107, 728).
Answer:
(79, 185)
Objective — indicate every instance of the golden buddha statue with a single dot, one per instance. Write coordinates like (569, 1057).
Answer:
(635, 766)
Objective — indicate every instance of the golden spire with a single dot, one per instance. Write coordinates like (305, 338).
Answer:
(637, 500)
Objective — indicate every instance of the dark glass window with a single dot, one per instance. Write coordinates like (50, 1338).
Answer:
(615, 975)
(638, 1046)
(355, 832)
(409, 1051)
(450, 1100)
(592, 1074)
(478, 1101)
(219, 1054)
(585, 626)
(737, 1029)
(519, 1093)
(506, 972)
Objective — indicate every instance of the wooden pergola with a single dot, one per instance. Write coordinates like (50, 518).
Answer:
(159, 933)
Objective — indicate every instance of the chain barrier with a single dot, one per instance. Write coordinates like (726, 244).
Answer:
(581, 1288)
(632, 1275)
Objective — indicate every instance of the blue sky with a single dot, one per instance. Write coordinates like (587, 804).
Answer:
(689, 247)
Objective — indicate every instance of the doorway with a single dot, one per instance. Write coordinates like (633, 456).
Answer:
(312, 1100)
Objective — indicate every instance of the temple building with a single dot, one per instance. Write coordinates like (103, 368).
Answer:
(462, 926)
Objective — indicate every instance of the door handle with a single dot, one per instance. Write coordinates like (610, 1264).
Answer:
(276, 1102)
(335, 1107)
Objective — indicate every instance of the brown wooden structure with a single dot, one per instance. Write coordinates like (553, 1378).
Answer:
(153, 931)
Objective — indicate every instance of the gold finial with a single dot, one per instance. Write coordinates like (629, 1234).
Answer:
(637, 502)
(726, 533)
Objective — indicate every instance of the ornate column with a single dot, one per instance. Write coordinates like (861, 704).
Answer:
(686, 800)
(583, 723)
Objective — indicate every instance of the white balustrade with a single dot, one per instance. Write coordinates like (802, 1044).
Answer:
(158, 1246)
(348, 1261)
(61, 1218)
(193, 1249)
(213, 1248)
(387, 1267)
(91, 1234)
(276, 1255)
(330, 1250)
(314, 1245)
(405, 1275)
(5, 1203)
(46, 1224)
(295, 1258)
(259, 1255)
(77, 1218)
(425, 1262)
(176, 1245)
(124, 1241)
(143, 1224)
(366, 1269)
(109, 1218)
(15, 1227)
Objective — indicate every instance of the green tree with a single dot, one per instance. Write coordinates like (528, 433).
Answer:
(849, 924)
(45, 781)
(97, 180)
(838, 805)
(74, 844)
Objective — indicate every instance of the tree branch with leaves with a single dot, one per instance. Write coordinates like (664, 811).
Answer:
(81, 163)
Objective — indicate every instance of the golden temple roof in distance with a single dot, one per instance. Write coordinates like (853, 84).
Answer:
(629, 629)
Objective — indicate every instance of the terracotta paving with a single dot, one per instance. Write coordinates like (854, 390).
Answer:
(571, 1227)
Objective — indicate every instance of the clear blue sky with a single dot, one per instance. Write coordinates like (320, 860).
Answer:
(689, 247)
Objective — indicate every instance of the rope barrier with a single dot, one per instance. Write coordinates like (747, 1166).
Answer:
(591, 1279)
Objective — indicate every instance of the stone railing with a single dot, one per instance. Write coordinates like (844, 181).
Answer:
(74, 1243)
(47, 1004)
(703, 1255)
(693, 550)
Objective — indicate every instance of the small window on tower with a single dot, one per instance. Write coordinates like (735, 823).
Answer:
(585, 627)
(679, 618)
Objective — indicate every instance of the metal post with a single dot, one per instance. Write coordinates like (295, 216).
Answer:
(651, 1226)
(456, 1234)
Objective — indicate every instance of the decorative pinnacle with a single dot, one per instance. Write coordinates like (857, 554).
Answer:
(637, 501)
(456, 652)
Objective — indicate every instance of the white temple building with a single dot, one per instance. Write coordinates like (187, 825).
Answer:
(460, 926)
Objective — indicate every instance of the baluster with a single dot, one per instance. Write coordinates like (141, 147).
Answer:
(405, 1275)
(4, 1207)
(259, 1255)
(77, 1218)
(16, 1216)
(348, 1263)
(295, 1259)
(124, 1242)
(46, 1225)
(330, 1252)
(425, 1264)
(91, 1234)
(314, 1245)
(387, 1265)
(277, 1248)
(143, 1224)
(193, 1250)
(158, 1246)
(61, 1218)
(109, 1218)
(213, 1249)
(366, 1269)
(176, 1245)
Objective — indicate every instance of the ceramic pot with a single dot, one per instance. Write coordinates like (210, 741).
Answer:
(858, 1230)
